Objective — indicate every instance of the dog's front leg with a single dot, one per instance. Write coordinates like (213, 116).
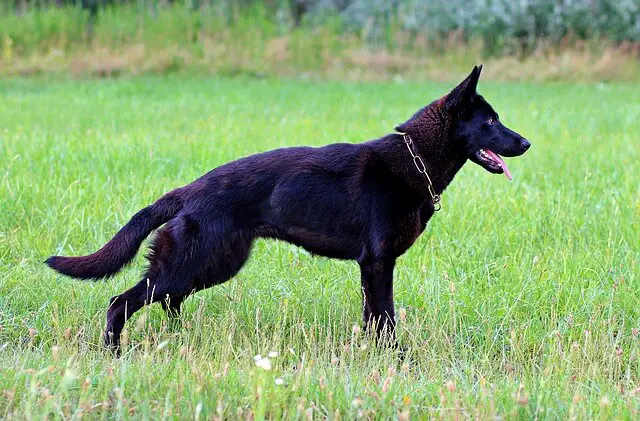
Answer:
(377, 290)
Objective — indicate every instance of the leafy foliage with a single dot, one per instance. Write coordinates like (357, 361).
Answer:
(504, 26)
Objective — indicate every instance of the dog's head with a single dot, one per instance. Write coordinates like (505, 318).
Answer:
(478, 129)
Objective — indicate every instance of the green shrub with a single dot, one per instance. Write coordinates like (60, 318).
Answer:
(504, 26)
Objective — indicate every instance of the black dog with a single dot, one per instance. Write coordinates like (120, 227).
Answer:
(367, 202)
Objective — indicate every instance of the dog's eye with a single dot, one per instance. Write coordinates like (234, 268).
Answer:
(490, 121)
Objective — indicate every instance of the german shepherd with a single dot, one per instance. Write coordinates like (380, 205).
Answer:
(366, 202)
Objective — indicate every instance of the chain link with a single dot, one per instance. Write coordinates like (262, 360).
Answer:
(422, 169)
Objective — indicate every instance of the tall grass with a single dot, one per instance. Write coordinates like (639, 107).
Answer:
(501, 24)
(365, 37)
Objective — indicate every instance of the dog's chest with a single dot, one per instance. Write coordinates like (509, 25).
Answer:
(407, 228)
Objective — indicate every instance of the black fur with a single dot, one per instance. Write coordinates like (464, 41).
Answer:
(364, 202)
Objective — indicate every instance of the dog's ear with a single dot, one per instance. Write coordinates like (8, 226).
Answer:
(462, 94)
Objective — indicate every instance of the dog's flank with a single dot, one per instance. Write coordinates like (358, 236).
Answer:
(364, 202)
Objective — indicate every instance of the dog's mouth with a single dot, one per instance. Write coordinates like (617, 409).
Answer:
(492, 162)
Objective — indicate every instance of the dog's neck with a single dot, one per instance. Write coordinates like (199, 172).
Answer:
(431, 132)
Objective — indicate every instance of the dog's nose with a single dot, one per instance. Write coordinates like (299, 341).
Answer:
(525, 144)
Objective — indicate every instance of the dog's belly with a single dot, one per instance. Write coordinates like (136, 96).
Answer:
(337, 246)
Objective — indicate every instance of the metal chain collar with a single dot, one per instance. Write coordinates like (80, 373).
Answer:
(419, 163)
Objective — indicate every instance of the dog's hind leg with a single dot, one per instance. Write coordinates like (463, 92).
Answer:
(149, 290)
(226, 262)
(229, 255)
(180, 263)
(228, 258)
(121, 308)
(171, 305)
(178, 251)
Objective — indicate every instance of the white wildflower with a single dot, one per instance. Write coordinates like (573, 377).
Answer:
(264, 363)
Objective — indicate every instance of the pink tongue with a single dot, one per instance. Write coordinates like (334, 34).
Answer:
(500, 162)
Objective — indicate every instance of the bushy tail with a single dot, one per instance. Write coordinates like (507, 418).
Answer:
(122, 248)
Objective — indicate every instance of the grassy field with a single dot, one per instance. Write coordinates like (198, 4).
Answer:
(520, 300)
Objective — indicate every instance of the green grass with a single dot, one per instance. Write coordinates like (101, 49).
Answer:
(520, 300)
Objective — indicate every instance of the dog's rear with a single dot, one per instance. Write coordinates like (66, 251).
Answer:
(122, 248)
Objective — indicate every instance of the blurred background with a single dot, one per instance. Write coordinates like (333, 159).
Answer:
(345, 39)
